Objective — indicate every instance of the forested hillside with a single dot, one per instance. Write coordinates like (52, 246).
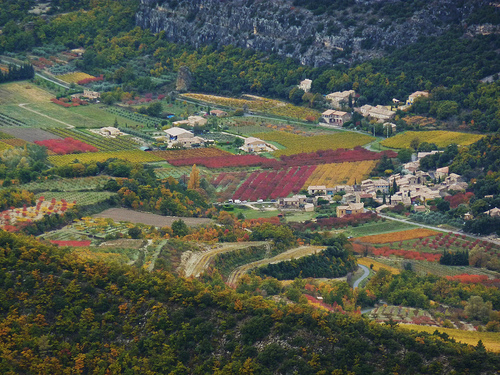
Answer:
(59, 312)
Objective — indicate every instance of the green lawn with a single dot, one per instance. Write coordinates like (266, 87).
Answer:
(378, 228)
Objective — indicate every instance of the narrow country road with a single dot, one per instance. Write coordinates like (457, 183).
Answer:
(366, 272)
(23, 106)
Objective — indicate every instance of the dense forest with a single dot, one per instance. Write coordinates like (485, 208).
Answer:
(60, 312)
(333, 262)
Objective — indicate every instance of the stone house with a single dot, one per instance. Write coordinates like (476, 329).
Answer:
(333, 117)
(350, 209)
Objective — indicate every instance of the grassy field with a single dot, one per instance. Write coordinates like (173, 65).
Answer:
(81, 197)
(37, 99)
(491, 340)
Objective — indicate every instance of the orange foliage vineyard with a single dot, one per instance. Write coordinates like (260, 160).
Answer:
(398, 236)
(192, 153)
(334, 174)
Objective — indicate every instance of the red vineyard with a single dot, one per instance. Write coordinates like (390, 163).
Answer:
(273, 184)
(228, 161)
(340, 155)
(66, 146)
(71, 243)
(90, 79)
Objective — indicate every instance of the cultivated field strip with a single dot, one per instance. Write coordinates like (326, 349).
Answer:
(101, 143)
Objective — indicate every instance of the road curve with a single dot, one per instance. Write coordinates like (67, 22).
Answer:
(366, 273)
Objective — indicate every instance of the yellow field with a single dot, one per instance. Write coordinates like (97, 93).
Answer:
(4, 146)
(331, 175)
(377, 265)
(441, 138)
(135, 156)
(491, 340)
(296, 144)
(403, 235)
(260, 104)
(74, 77)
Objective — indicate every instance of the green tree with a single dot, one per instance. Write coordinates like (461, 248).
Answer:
(179, 228)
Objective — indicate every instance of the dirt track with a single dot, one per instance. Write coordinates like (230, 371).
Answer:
(194, 263)
(295, 253)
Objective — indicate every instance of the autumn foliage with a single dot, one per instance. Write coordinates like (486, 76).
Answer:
(70, 243)
(66, 146)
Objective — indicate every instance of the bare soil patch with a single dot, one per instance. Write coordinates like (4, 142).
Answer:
(123, 214)
(30, 134)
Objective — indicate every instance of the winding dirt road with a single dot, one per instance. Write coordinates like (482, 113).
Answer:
(194, 263)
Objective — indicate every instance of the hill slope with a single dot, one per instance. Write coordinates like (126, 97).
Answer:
(60, 314)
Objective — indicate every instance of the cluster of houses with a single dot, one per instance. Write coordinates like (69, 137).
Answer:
(413, 189)
(341, 100)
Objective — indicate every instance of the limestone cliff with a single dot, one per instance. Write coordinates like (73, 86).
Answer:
(357, 30)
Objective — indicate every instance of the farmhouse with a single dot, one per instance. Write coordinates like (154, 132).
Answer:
(218, 113)
(294, 202)
(183, 137)
(335, 117)
(340, 99)
(415, 95)
(379, 112)
(110, 131)
(253, 144)
(91, 94)
(350, 209)
(305, 85)
(192, 121)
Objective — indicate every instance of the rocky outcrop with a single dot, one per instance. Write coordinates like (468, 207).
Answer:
(184, 79)
(356, 33)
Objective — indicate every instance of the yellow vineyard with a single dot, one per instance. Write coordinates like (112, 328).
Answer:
(368, 262)
(491, 340)
(348, 173)
(441, 138)
(296, 144)
(260, 104)
(74, 77)
(135, 156)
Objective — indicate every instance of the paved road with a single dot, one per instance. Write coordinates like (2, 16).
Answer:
(438, 229)
(366, 272)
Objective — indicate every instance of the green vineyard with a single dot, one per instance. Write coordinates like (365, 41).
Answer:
(101, 143)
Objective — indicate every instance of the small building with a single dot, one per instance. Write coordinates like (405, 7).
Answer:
(78, 51)
(218, 113)
(91, 94)
(350, 209)
(441, 173)
(391, 126)
(415, 95)
(379, 112)
(305, 85)
(494, 212)
(110, 131)
(296, 201)
(309, 207)
(340, 99)
(176, 133)
(253, 144)
(419, 208)
(313, 189)
(192, 121)
(333, 117)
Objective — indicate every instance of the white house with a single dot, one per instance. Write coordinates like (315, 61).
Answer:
(253, 144)
(340, 99)
(415, 95)
(305, 85)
